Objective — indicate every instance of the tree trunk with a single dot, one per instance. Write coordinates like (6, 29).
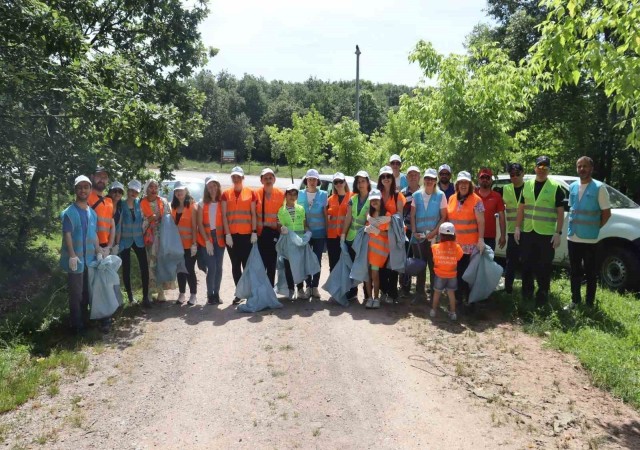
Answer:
(25, 222)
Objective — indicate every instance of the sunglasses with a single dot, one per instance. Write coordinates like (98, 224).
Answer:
(515, 174)
(444, 174)
(117, 191)
(395, 163)
(485, 177)
(386, 176)
(338, 182)
(542, 167)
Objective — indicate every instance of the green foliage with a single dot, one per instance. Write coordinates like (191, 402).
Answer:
(310, 131)
(350, 147)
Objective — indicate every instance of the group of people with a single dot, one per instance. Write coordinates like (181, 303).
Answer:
(441, 222)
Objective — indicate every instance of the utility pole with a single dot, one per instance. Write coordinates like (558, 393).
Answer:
(358, 84)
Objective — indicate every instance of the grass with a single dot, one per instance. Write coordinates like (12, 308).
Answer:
(606, 339)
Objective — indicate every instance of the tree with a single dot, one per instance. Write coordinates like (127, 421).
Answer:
(371, 115)
(285, 142)
(349, 146)
(310, 131)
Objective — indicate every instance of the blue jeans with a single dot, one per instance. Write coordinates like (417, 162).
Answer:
(214, 267)
(317, 245)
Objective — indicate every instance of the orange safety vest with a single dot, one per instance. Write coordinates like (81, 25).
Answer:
(378, 250)
(145, 207)
(445, 258)
(239, 210)
(391, 204)
(104, 210)
(184, 225)
(464, 218)
(271, 207)
(206, 222)
(337, 213)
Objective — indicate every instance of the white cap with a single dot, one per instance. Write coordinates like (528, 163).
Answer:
(385, 169)
(210, 178)
(375, 194)
(135, 185)
(430, 173)
(80, 179)
(338, 176)
(362, 174)
(447, 228)
(395, 158)
(179, 185)
(292, 187)
(267, 170)
(117, 185)
(237, 170)
(413, 169)
(463, 176)
(444, 167)
(312, 173)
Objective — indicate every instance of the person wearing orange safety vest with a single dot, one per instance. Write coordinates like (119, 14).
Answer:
(466, 212)
(240, 222)
(377, 227)
(211, 237)
(337, 206)
(269, 201)
(184, 211)
(103, 206)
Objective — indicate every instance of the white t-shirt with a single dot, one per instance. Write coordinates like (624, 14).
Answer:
(213, 209)
(311, 196)
(603, 201)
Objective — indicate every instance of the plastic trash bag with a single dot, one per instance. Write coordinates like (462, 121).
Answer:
(339, 282)
(301, 258)
(483, 274)
(360, 267)
(254, 285)
(397, 238)
(104, 293)
(170, 253)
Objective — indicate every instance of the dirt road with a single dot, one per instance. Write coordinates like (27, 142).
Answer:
(316, 375)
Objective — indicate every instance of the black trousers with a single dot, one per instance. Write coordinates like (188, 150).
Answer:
(463, 286)
(289, 276)
(491, 242)
(423, 251)
(190, 277)
(537, 258)
(583, 260)
(405, 280)
(239, 254)
(141, 254)
(513, 262)
(78, 287)
(389, 282)
(333, 249)
(267, 246)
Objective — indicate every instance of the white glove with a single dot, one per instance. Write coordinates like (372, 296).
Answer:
(516, 235)
(343, 238)
(98, 256)
(254, 238)
(115, 249)
(307, 237)
(229, 240)
(194, 250)
(209, 248)
(73, 263)
(371, 230)
(555, 240)
(480, 245)
(106, 251)
(284, 230)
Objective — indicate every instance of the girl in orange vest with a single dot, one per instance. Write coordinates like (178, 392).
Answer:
(377, 227)
(184, 212)
(337, 207)
(211, 237)
(446, 255)
(466, 212)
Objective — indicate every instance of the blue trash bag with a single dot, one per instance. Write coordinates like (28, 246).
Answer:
(301, 258)
(254, 285)
(397, 238)
(170, 252)
(339, 282)
(281, 287)
(104, 287)
(483, 274)
(360, 267)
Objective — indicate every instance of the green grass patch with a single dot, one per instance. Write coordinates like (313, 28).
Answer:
(606, 338)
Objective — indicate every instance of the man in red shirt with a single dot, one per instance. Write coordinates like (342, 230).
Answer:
(493, 204)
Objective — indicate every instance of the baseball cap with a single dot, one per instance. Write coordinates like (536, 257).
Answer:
(444, 167)
(447, 228)
(292, 187)
(211, 178)
(80, 179)
(515, 166)
(463, 176)
(385, 169)
(375, 194)
(237, 170)
(395, 158)
(338, 176)
(101, 169)
(362, 174)
(485, 171)
(179, 185)
(267, 170)
(312, 173)
(413, 169)
(135, 185)
(430, 173)
(116, 185)
(543, 161)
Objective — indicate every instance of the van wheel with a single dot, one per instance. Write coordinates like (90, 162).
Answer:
(619, 269)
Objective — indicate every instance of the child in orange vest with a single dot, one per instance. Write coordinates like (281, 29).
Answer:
(446, 255)
(377, 227)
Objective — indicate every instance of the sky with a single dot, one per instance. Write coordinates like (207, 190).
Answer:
(291, 40)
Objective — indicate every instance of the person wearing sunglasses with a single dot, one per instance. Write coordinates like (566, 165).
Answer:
(511, 195)
(444, 181)
(538, 229)
(493, 205)
(395, 162)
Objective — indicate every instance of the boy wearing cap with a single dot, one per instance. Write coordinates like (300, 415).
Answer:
(446, 255)
(539, 224)
(401, 179)
(444, 183)
(493, 204)
(512, 195)
(78, 250)
(269, 200)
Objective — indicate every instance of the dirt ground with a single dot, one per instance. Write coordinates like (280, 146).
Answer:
(316, 375)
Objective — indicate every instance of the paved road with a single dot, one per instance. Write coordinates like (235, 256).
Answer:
(225, 179)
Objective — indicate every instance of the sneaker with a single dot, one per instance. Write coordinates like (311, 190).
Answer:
(161, 297)
(146, 303)
(385, 298)
(211, 299)
(292, 294)
(453, 316)
(236, 300)
(217, 299)
(316, 292)
(369, 303)
(307, 292)
(432, 313)
(192, 299)
(180, 300)
(302, 295)
(376, 303)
